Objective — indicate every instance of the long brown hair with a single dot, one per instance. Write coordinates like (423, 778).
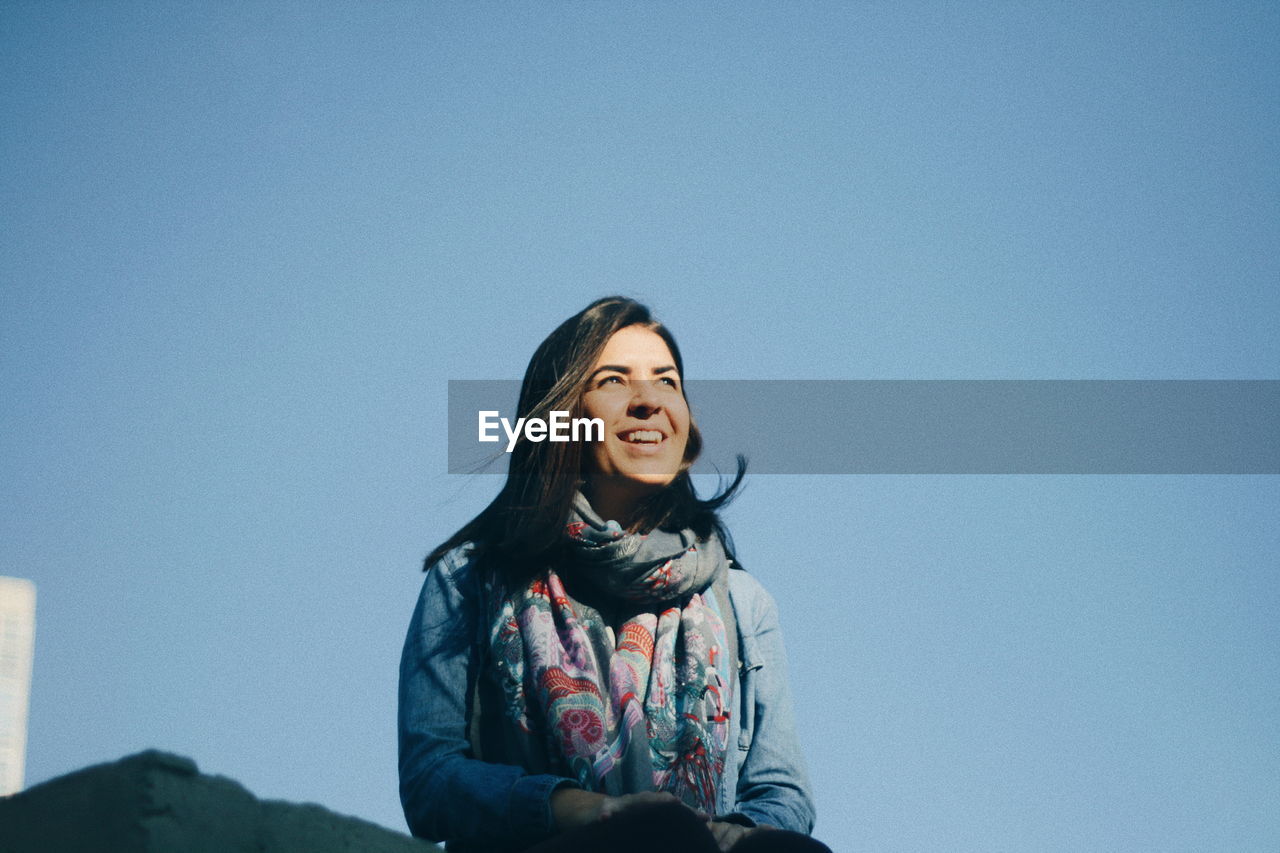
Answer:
(521, 529)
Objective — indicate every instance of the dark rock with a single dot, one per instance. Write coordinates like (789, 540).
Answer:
(154, 801)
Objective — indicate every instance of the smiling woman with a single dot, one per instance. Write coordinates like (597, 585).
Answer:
(587, 667)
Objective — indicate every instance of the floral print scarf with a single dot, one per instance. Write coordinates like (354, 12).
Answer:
(642, 708)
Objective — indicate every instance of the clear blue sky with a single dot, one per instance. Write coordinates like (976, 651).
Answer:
(245, 245)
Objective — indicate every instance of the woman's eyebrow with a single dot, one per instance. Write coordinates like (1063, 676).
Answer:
(622, 368)
(618, 368)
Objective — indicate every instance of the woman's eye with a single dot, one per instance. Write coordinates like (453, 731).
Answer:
(670, 381)
(610, 379)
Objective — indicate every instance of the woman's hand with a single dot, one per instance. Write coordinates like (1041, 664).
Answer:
(572, 807)
(729, 834)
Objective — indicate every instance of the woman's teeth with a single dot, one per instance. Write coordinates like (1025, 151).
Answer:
(642, 436)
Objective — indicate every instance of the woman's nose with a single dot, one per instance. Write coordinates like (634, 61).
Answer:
(645, 398)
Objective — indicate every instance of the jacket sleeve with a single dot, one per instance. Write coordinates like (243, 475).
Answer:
(445, 792)
(773, 783)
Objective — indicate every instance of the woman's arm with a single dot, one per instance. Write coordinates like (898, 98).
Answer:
(773, 784)
(445, 792)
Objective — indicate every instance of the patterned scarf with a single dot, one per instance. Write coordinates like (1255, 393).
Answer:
(646, 709)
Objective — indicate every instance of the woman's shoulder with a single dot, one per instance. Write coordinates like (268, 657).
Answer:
(460, 558)
(456, 572)
(750, 599)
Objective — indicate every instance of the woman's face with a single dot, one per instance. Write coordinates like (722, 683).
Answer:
(635, 389)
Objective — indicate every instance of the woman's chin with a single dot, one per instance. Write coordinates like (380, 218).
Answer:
(650, 481)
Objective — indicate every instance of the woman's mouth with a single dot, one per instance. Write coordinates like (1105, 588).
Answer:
(642, 436)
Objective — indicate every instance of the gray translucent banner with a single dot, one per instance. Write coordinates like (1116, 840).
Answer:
(946, 426)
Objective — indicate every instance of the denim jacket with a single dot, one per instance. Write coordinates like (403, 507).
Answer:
(483, 805)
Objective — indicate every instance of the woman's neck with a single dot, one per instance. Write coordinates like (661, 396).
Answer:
(612, 503)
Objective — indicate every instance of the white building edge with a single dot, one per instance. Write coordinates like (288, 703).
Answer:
(17, 644)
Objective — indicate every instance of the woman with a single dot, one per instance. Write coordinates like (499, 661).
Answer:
(583, 669)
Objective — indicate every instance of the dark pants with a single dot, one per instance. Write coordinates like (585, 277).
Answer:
(668, 828)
